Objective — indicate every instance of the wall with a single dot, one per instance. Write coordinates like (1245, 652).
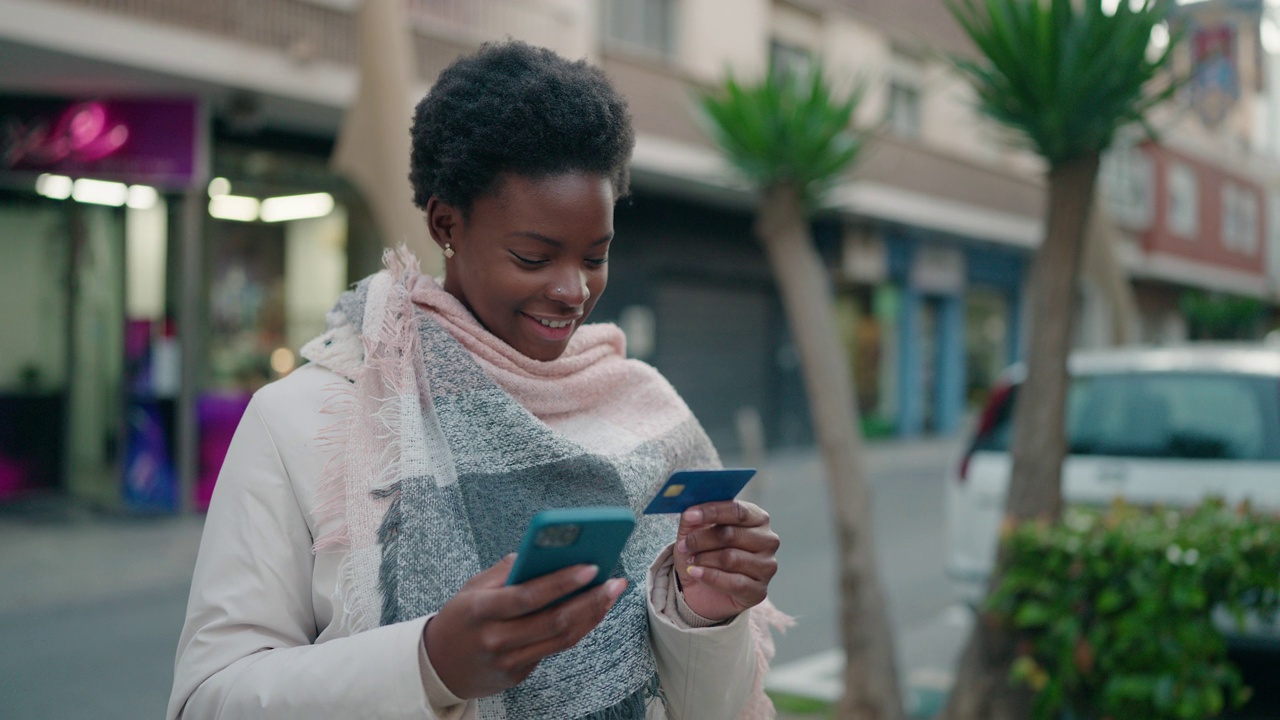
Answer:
(854, 52)
(1208, 244)
(713, 35)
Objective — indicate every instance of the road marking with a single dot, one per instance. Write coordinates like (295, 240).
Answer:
(818, 676)
(821, 676)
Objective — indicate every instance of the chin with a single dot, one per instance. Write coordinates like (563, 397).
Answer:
(544, 354)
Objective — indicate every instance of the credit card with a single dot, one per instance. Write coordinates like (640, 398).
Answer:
(686, 488)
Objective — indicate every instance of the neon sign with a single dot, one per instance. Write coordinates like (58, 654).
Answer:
(153, 141)
(82, 132)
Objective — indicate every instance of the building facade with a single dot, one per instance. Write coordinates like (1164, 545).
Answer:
(146, 321)
(1195, 210)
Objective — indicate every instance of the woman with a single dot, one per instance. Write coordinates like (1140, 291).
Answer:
(434, 420)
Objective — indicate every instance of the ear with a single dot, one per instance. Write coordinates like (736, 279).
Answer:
(444, 221)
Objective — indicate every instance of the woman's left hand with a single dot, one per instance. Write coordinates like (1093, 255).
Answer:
(725, 556)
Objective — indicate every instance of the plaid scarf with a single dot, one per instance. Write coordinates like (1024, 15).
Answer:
(451, 441)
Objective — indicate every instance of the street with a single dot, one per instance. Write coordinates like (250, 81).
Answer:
(90, 611)
(930, 622)
(91, 607)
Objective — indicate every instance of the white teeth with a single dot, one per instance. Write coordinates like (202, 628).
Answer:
(555, 324)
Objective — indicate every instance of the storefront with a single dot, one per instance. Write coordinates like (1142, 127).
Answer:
(868, 308)
(156, 270)
(276, 255)
(88, 374)
(928, 322)
(993, 317)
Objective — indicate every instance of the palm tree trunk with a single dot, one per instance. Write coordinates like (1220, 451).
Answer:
(982, 690)
(1039, 438)
(871, 682)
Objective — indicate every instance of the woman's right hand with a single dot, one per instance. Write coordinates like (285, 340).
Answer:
(491, 636)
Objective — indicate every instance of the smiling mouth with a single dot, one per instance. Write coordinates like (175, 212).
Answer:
(554, 324)
(554, 330)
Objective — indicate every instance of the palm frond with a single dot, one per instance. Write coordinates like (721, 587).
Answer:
(786, 128)
(1062, 73)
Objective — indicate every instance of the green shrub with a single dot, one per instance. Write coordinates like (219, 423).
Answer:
(1114, 608)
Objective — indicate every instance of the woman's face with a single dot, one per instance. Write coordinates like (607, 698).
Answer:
(530, 259)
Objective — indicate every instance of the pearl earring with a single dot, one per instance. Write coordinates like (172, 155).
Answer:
(448, 250)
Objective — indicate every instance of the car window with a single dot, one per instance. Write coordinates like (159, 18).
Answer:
(1168, 415)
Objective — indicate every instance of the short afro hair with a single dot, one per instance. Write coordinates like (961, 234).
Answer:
(512, 107)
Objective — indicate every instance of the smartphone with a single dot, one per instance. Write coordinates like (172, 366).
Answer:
(562, 537)
(686, 488)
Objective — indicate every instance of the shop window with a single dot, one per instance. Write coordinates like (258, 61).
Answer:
(275, 263)
(986, 336)
(867, 318)
(1127, 179)
(35, 258)
(645, 24)
(270, 286)
(1184, 202)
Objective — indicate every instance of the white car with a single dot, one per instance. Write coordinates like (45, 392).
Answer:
(1168, 426)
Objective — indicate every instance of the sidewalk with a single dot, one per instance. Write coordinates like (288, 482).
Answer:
(53, 553)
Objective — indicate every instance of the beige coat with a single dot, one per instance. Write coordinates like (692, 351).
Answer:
(261, 641)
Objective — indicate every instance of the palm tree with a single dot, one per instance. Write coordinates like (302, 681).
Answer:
(792, 140)
(1064, 75)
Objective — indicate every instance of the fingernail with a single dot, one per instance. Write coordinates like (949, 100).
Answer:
(681, 546)
(693, 516)
(695, 572)
(586, 574)
(615, 587)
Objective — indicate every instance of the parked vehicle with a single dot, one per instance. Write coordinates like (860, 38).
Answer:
(1153, 426)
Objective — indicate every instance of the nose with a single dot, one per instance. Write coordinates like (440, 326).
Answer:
(569, 288)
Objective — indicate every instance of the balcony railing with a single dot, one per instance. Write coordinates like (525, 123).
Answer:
(325, 29)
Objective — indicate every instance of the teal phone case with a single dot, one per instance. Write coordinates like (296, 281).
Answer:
(562, 537)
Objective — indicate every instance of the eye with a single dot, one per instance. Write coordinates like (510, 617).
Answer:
(531, 262)
(598, 262)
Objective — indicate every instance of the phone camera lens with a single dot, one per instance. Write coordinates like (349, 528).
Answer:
(557, 536)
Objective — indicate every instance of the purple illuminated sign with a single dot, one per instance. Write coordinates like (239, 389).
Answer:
(152, 141)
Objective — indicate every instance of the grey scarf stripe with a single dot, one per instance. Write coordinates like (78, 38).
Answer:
(509, 465)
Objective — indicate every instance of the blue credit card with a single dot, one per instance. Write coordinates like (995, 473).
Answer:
(686, 488)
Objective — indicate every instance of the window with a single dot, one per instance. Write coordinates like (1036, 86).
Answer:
(647, 24)
(785, 58)
(1273, 234)
(904, 108)
(1180, 415)
(1239, 219)
(1184, 201)
(1161, 415)
(1128, 180)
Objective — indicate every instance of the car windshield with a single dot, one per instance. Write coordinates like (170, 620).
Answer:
(1171, 414)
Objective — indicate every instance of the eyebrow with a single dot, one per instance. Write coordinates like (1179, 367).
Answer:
(556, 243)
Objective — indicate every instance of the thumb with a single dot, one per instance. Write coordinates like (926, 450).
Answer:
(686, 526)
